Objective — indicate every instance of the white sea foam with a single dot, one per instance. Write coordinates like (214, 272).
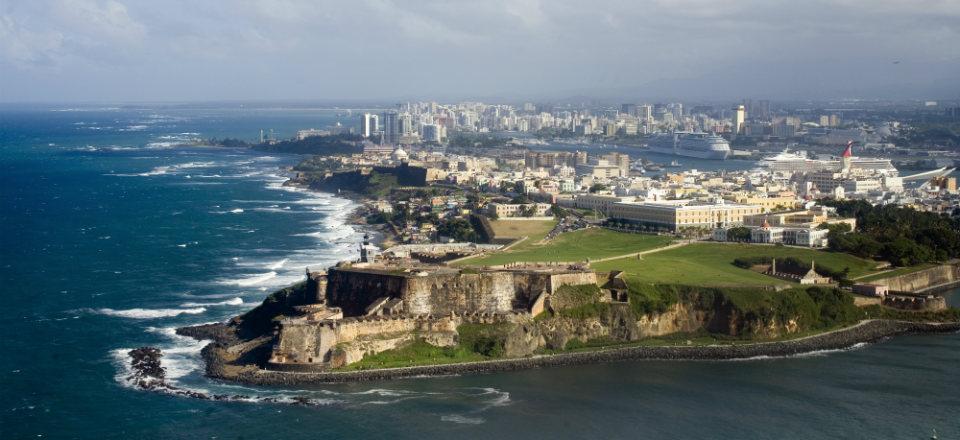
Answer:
(277, 265)
(464, 420)
(139, 313)
(236, 211)
(248, 281)
(814, 353)
(237, 301)
(500, 398)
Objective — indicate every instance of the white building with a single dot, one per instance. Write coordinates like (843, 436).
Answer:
(369, 124)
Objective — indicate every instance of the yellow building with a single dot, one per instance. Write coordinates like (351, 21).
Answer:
(769, 203)
(679, 214)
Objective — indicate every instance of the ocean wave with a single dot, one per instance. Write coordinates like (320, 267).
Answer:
(249, 281)
(166, 169)
(814, 353)
(140, 313)
(464, 420)
(237, 301)
(156, 171)
(277, 265)
(336, 234)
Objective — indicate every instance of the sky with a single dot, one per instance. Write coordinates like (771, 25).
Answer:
(514, 50)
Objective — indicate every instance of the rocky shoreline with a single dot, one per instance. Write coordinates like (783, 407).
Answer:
(866, 331)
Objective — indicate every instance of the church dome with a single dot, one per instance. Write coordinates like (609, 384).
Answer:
(399, 154)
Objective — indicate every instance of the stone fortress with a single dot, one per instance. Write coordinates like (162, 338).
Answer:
(377, 304)
(383, 302)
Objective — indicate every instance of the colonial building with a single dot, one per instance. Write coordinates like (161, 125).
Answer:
(675, 215)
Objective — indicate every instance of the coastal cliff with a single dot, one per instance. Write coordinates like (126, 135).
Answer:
(574, 317)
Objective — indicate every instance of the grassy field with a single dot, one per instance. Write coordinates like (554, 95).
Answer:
(575, 246)
(895, 272)
(711, 264)
(534, 229)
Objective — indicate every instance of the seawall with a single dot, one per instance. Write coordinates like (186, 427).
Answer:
(866, 331)
(934, 278)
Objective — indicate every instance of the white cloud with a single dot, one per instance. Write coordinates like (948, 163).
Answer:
(27, 48)
(384, 48)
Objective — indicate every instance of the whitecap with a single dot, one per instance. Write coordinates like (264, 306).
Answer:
(248, 281)
(237, 301)
(814, 353)
(456, 418)
(140, 313)
(278, 264)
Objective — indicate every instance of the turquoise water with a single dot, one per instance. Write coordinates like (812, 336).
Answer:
(113, 236)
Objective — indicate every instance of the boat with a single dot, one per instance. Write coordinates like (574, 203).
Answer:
(690, 144)
(798, 162)
(674, 164)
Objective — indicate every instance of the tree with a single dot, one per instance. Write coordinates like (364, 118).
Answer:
(458, 229)
(596, 187)
(739, 233)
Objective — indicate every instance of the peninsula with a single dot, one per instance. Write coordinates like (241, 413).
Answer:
(390, 315)
(497, 256)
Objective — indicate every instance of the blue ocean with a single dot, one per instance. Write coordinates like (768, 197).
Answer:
(117, 228)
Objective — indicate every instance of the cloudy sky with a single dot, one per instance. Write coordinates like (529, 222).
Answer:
(176, 50)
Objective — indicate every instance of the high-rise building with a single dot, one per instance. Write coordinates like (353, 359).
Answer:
(834, 120)
(369, 124)
(739, 116)
(628, 109)
(645, 112)
(391, 127)
(763, 110)
(431, 132)
(405, 124)
(676, 110)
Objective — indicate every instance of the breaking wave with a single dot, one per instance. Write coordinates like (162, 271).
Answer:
(814, 353)
(249, 281)
(139, 313)
(230, 302)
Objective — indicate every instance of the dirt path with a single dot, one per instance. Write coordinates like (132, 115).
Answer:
(642, 253)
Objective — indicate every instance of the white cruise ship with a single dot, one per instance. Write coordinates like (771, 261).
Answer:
(798, 162)
(689, 144)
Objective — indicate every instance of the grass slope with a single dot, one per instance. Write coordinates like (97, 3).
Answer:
(711, 264)
(535, 229)
(575, 246)
(895, 272)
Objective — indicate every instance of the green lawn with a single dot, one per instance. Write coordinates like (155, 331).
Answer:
(711, 264)
(534, 230)
(896, 272)
(579, 245)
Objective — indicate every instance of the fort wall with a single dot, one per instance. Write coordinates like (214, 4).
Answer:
(491, 292)
(354, 291)
(934, 277)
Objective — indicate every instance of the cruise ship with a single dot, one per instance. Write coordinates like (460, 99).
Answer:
(689, 144)
(798, 162)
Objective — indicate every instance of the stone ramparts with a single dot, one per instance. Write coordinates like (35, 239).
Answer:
(867, 331)
(922, 280)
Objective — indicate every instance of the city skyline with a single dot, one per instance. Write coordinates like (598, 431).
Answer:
(384, 50)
